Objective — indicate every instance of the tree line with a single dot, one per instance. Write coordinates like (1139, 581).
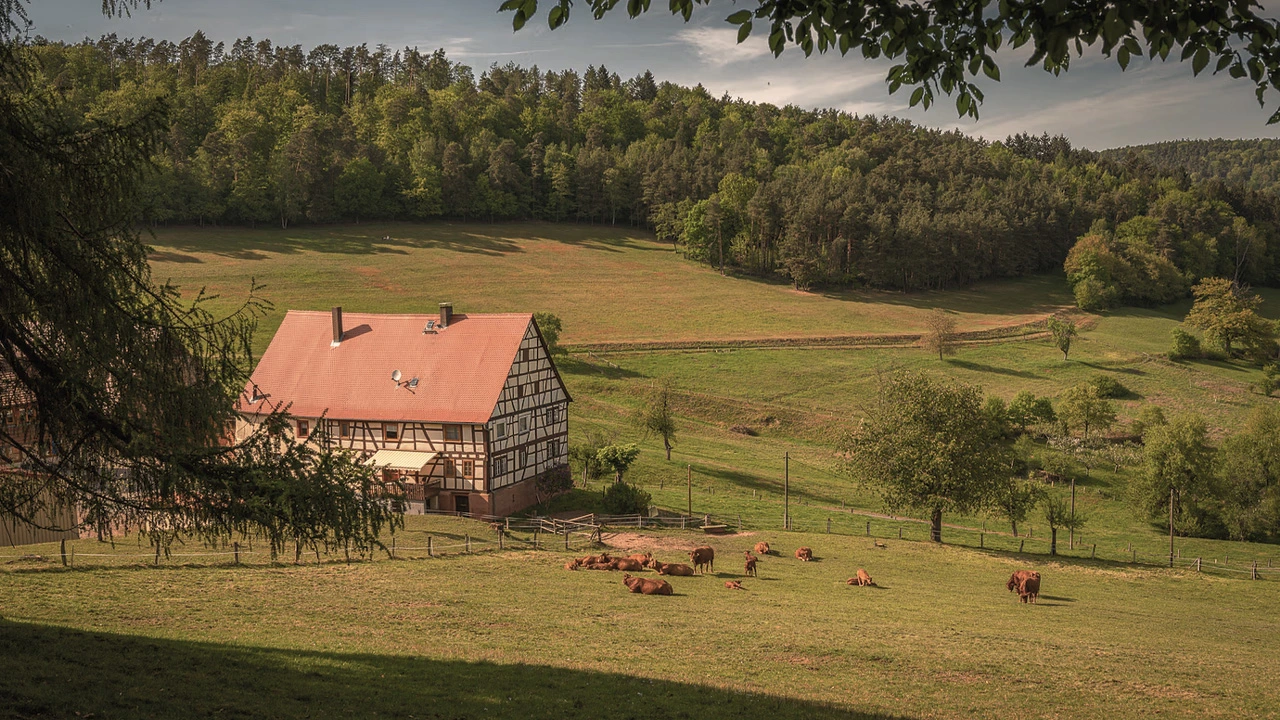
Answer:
(267, 134)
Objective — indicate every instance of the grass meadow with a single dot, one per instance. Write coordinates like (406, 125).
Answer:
(513, 635)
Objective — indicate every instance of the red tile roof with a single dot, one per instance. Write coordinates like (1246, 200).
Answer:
(461, 369)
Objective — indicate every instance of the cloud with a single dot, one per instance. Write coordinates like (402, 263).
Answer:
(719, 46)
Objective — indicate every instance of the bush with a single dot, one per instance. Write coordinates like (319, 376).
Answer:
(1270, 381)
(1185, 345)
(623, 498)
(1108, 387)
(1092, 295)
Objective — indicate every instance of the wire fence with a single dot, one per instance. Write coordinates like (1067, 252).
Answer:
(588, 531)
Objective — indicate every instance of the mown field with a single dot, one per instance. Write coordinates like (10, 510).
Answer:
(513, 635)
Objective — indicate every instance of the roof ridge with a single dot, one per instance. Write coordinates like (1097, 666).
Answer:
(346, 313)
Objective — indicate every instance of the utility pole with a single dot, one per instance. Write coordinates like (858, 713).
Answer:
(1072, 534)
(786, 491)
(689, 487)
(1170, 527)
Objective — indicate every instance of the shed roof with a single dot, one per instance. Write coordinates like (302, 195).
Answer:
(460, 370)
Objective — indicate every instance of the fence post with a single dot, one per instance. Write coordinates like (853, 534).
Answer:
(982, 540)
(72, 561)
(682, 519)
(393, 547)
(1133, 552)
(468, 541)
(430, 550)
(63, 549)
(1255, 569)
(1021, 543)
(899, 532)
(157, 553)
(1094, 554)
(868, 528)
(1197, 564)
(828, 526)
(236, 545)
(566, 538)
(535, 538)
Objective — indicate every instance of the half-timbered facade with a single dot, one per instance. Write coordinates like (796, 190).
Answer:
(468, 411)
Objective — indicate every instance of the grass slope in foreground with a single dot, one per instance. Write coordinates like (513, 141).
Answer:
(513, 635)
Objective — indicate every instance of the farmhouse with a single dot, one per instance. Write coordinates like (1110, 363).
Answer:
(468, 410)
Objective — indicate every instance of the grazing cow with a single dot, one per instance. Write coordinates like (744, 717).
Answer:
(673, 569)
(762, 548)
(642, 559)
(862, 580)
(703, 558)
(733, 585)
(804, 553)
(1030, 588)
(627, 564)
(647, 586)
(750, 568)
(1015, 580)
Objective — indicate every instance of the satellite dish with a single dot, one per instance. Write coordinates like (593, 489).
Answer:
(413, 383)
(395, 375)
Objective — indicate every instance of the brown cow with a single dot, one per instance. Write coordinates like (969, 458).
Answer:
(762, 548)
(673, 569)
(599, 566)
(862, 580)
(733, 585)
(572, 564)
(1030, 588)
(750, 568)
(642, 559)
(647, 586)
(593, 559)
(1015, 580)
(804, 553)
(703, 558)
(627, 564)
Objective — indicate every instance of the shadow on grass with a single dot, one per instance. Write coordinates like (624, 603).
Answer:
(571, 365)
(56, 672)
(980, 367)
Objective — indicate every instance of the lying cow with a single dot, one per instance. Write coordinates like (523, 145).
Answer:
(762, 548)
(572, 565)
(644, 559)
(703, 558)
(627, 564)
(594, 559)
(805, 554)
(750, 568)
(672, 569)
(646, 586)
(733, 585)
(862, 579)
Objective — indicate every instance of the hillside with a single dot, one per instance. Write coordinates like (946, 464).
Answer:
(799, 398)
(1250, 164)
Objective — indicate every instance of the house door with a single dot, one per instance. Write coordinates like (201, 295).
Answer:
(462, 503)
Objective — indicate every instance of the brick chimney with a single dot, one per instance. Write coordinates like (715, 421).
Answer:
(446, 314)
(337, 326)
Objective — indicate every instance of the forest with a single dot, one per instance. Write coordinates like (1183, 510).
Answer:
(266, 134)
(1253, 163)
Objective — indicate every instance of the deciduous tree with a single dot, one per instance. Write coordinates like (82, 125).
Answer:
(940, 332)
(928, 445)
(1063, 332)
(655, 414)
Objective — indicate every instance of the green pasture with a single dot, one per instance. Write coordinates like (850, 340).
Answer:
(513, 635)
(606, 283)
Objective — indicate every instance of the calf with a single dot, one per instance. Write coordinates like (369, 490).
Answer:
(627, 564)
(804, 553)
(733, 585)
(750, 568)
(572, 564)
(644, 559)
(646, 586)
(762, 548)
(862, 580)
(672, 569)
(593, 559)
(1030, 588)
(703, 558)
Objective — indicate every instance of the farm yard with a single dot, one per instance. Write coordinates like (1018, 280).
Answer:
(760, 371)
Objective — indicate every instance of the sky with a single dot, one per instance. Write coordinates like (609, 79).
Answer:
(1095, 104)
